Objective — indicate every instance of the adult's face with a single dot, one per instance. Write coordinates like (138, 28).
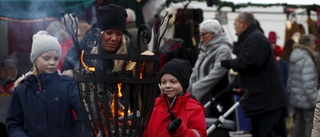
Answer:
(206, 36)
(238, 26)
(111, 39)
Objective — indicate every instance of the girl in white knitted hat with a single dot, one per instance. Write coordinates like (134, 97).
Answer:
(43, 100)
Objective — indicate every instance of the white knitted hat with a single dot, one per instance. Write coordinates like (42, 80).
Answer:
(42, 42)
(211, 25)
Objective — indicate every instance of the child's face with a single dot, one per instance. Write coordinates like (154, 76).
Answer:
(171, 86)
(47, 62)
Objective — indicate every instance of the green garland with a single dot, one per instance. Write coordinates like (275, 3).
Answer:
(249, 4)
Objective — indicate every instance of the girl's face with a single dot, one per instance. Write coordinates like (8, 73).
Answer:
(170, 86)
(47, 62)
(111, 39)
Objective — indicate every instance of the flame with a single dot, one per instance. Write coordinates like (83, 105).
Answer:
(91, 69)
(142, 69)
(121, 107)
(119, 90)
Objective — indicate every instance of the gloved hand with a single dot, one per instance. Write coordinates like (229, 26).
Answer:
(226, 64)
(174, 122)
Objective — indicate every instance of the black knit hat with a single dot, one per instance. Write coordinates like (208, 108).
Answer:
(180, 68)
(111, 16)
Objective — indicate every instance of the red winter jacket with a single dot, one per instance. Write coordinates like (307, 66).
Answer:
(188, 109)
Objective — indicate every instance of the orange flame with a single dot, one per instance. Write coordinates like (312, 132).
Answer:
(121, 109)
(91, 69)
(142, 69)
(119, 90)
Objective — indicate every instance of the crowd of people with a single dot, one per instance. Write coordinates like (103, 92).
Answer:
(274, 86)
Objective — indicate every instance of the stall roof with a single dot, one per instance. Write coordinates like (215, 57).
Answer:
(39, 9)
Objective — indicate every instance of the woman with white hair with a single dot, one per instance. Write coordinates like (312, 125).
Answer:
(303, 85)
(208, 77)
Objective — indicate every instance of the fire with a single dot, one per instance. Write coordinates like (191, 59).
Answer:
(142, 69)
(91, 69)
(121, 107)
(119, 90)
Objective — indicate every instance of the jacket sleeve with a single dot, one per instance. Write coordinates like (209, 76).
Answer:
(204, 85)
(316, 119)
(196, 125)
(74, 99)
(253, 55)
(310, 80)
(14, 121)
(75, 105)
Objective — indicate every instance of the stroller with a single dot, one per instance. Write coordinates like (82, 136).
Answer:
(220, 127)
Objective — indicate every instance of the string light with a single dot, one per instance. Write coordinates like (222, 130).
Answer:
(27, 21)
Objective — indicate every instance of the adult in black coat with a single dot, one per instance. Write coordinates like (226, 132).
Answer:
(258, 74)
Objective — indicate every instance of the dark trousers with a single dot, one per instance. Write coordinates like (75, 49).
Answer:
(265, 124)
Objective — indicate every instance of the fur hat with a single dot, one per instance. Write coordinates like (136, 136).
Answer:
(111, 16)
(211, 25)
(307, 40)
(180, 68)
(42, 42)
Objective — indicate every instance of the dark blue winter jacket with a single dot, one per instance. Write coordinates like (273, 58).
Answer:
(46, 112)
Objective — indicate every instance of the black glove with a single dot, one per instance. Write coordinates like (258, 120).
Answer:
(174, 122)
(226, 64)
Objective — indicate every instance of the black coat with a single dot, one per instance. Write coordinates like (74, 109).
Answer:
(258, 73)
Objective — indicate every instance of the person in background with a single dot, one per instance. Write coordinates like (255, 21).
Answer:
(43, 99)
(57, 29)
(83, 28)
(277, 49)
(315, 132)
(303, 85)
(176, 112)
(209, 77)
(133, 29)
(258, 75)
(283, 66)
(316, 119)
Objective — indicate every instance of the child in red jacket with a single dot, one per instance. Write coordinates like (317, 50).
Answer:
(176, 112)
